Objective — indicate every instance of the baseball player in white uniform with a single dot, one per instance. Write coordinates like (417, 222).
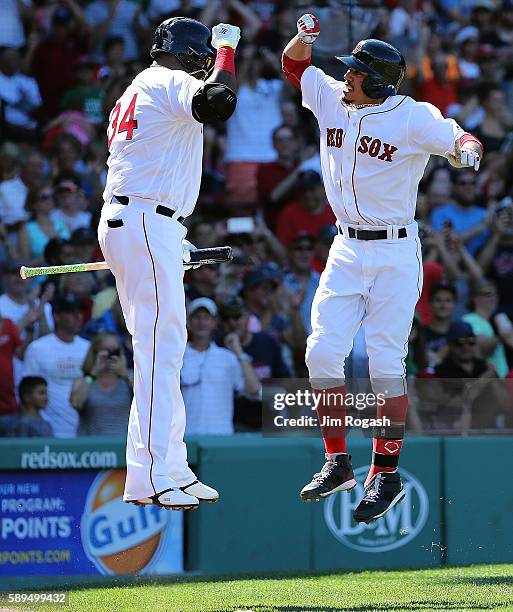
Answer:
(155, 138)
(374, 145)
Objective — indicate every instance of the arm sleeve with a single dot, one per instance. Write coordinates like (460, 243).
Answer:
(319, 90)
(180, 91)
(293, 69)
(429, 132)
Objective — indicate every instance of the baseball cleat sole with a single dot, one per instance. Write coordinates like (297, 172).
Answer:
(346, 486)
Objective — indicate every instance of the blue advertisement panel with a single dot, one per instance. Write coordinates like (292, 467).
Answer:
(75, 523)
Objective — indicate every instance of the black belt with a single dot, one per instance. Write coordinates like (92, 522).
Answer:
(362, 234)
(160, 210)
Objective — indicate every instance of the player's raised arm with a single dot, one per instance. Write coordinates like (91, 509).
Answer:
(298, 53)
(216, 100)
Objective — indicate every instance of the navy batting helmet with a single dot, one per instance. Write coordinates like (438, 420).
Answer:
(188, 41)
(382, 62)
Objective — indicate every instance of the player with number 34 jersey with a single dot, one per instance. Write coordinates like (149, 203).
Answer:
(155, 139)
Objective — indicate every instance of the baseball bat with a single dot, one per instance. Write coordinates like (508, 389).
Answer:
(199, 256)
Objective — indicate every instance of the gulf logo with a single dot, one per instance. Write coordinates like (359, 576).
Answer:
(119, 538)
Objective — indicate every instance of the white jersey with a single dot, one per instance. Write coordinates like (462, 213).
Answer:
(373, 158)
(155, 144)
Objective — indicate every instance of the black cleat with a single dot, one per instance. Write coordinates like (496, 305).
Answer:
(384, 491)
(336, 475)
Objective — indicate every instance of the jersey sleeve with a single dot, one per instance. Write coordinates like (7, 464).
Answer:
(429, 132)
(319, 90)
(180, 91)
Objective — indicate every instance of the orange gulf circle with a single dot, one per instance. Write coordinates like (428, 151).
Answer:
(133, 559)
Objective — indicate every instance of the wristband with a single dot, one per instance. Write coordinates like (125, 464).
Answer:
(225, 59)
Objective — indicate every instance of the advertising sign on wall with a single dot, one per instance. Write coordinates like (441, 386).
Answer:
(75, 523)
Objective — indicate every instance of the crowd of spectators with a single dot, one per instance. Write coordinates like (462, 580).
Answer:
(65, 354)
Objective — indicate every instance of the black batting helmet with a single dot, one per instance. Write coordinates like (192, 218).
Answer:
(188, 41)
(382, 62)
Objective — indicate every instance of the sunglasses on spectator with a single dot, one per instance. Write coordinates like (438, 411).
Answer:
(465, 342)
(303, 247)
(46, 196)
(465, 183)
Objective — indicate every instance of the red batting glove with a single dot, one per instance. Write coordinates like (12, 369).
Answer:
(308, 28)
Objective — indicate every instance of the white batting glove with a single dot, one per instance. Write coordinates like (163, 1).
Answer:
(465, 158)
(225, 35)
(470, 158)
(308, 28)
(187, 248)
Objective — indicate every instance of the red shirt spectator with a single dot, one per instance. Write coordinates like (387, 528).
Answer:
(277, 180)
(54, 60)
(433, 273)
(9, 342)
(309, 214)
(438, 89)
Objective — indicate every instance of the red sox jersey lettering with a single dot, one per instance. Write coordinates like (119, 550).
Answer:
(373, 146)
(334, 137)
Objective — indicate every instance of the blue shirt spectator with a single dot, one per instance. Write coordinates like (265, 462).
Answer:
(468, 220)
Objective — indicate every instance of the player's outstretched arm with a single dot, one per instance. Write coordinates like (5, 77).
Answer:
(298, 53)
(468, 152)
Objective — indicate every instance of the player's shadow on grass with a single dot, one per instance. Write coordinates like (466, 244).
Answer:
(482, 581)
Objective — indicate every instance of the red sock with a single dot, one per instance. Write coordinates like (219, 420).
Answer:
(386, 451)
(331, 404)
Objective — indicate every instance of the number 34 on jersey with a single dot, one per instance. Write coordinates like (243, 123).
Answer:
(127, 124)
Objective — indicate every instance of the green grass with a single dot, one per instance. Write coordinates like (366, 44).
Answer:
(484, 587)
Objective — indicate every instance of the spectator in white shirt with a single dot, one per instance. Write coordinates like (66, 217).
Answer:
(211, 374)
(20, 173)
(249, 131)
(11, 25)
(58, 358)
(20, 97)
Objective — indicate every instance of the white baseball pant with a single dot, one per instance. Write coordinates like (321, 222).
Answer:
(374, 283)
(144, 252)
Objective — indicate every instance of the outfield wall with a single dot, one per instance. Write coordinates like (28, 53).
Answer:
(61, 513)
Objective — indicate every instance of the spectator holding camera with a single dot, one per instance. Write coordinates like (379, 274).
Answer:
(496, 258)
(103, 395)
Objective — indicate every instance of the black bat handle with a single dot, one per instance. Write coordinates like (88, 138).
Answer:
(217, 254)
